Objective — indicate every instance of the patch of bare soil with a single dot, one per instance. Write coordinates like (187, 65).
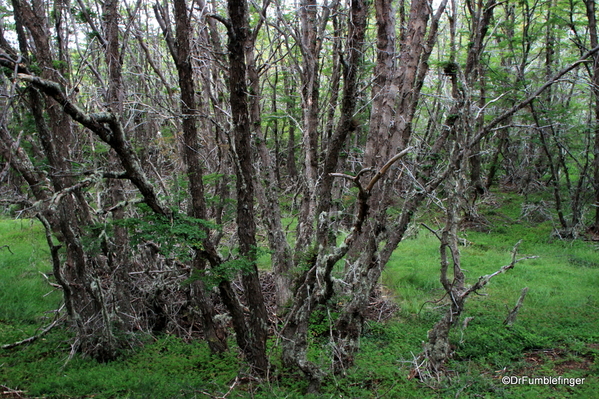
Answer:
(593, 233)
(9, 393)
(560, 360)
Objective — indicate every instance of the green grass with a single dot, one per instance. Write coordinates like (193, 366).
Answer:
(560, 310)
(556, 333)
(24, 294)
(165, 368)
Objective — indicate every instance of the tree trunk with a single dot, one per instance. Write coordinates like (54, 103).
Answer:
(315, 285)
(90, 311)
(215, 337)
(118, 255)
(594, 42)
(310, 43)
(241, 151)
(390, 130)
(266, 183)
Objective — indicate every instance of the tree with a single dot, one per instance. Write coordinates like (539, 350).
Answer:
(237, 30)
(93, 314)
(130, 131)
(181, 53)
(395, 101)
(594, 74)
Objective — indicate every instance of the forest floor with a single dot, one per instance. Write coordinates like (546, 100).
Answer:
(551, 350)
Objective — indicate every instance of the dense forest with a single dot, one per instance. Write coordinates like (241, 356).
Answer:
(169, 147)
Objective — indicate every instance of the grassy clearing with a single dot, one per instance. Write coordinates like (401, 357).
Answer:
(556, 333)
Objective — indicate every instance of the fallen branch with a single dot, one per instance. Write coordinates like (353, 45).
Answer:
(7, 247)
(10, 391)
(35, 337)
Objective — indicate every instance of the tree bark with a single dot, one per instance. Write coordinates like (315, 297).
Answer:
(310, 44)
(93, 317)
(390, 129)
(315, 285)
(241, 152)
(266, 182)
(594, 42)
(215, 337)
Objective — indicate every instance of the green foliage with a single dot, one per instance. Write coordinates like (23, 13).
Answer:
(226, 271)
(175, 235)
(35, 68)
(58, 64)
(488, 340)
(80, 15)
(559, 310)
(211, 182)
(96, 236)
(322, 320)
(4, 11)
(179, 188)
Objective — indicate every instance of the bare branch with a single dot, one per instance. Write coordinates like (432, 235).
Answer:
(483, 280)
(92, 25)
(431, 230)
(162, 18)
(7, 247)
(54, 90)
(386, 167)
(355, 179)
(35, 337)
(113, 135)
(511, 317)
(489, 126)
(343, 175)
(226, 22)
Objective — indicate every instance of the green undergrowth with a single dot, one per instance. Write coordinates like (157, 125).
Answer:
(559, 316)
(25, 295)
(556, 333)
(165, 368)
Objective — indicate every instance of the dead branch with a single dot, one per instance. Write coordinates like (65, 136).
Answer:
(35, 337)
(348, 177)
(58, 286)
(55, 200)
(557, 76)
(431, 230)
(386, 167)
(112, 134)
(356, 179)
(12, 392)
(511, 317)
(483, 280)
(7, 247)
